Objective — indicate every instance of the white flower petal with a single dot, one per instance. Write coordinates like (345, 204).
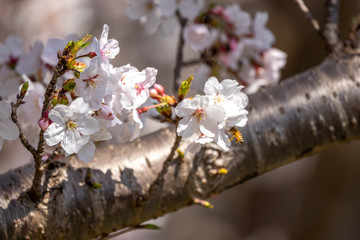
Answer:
(87, 152)
(8, 130)
(54, 134)
(73, 141)
(187, 127)
(78, 106)
(5, 110)
(210, 86)
(87, 125)
(60, 114)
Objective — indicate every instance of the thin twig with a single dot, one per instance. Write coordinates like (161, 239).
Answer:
(160, 178)
(179, 53)
(331, 31)
(314, 23)
(23, 139)
(192, 62)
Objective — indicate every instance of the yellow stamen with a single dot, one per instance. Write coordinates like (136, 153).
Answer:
(71, 125)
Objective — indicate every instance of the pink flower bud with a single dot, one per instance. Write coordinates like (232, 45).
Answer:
(142, 110)
(160, 89)
(44, 123)
(92, 54)
(217, 10)
(106, 112)
(154, 94)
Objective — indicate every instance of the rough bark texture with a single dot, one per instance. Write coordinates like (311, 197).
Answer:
(303, 115)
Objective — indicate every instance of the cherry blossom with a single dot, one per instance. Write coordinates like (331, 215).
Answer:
(147, 11)
(71, 126)
(91, 86)
(240, 19)
(31, 62)
(188, 9)
(87, 152)
(53, 45)
(9, 82)
(130, 126)
(105, 48)
(8, 129)
(11, 50)
(199, 115)
(199, 37)
(228, 95)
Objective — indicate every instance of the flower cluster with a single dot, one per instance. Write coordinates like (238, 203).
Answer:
(92, 102)
(155, 13)
(211, 117)
(228, 38)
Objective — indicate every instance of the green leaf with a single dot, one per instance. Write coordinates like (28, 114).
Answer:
(185, 86)
(24, 89)
(69, 84)
(54, 101)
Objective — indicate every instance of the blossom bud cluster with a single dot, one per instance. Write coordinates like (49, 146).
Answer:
(230, 39)
(91, 103)
(214, 116)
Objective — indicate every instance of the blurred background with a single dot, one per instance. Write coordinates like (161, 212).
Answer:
(314, 198)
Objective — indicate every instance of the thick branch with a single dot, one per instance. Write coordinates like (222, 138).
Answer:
(303, 115)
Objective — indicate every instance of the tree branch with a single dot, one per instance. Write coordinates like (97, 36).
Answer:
(314, 23)
(301, 116)
(331, 31)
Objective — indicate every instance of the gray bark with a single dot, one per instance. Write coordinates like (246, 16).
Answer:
(303, 115)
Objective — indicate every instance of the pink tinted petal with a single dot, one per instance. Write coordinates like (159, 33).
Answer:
(111, 48)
